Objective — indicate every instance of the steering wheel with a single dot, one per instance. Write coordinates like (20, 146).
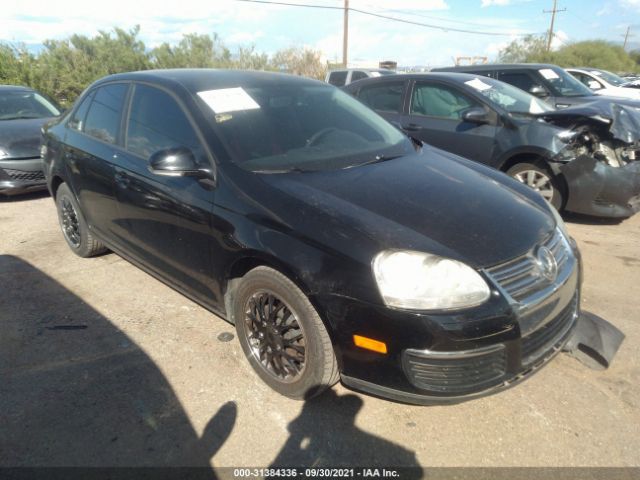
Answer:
(313, 139)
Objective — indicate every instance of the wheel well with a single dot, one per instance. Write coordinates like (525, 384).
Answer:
(55, 184)
(243, 266)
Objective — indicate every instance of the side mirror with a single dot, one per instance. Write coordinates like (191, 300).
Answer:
(594, 85)
(475, 115)
(176, 162)
(538, 91)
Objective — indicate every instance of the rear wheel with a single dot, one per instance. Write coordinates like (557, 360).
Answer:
(73, 225)
(283, 336)
(538, 177)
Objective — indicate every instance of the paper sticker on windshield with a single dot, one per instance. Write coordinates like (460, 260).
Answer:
(374, 74)
(226, 100)
(548, 73)
(478, 84)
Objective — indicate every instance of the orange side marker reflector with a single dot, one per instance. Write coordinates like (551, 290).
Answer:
(370, 344)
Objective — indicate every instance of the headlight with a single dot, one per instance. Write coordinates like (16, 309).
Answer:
(422, 281)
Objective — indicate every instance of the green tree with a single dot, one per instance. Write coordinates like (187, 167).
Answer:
(530, 48)
(193, 51)
(300, 61)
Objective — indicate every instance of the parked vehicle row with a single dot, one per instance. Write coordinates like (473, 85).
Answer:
(580, 158)
(23, 112)
(339, 247)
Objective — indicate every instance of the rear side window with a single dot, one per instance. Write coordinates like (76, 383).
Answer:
(439, 101)
(521, 80)
(358, 75)
(157, 122)
(384, 98)
(338, 78)
(77, 121)
(103, 119)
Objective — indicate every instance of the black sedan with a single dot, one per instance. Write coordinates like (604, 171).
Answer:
(582, 158)
(23, 112)
(338, 247)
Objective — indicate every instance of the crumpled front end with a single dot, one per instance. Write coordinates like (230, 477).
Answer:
(600, 161)
(596, 188)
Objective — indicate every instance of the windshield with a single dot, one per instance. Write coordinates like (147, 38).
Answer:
(562, 84)
(510, 98)
(609, 77)
(25, 104)
(277, 128)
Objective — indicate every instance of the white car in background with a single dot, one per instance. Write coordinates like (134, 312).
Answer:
(603, 82)
(345, 76)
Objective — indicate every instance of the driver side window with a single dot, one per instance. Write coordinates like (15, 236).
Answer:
(439, 101)
(157, 122)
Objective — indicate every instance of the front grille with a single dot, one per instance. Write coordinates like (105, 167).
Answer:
(23, 175)
(521, 277)
(545, 338)
(455, 373)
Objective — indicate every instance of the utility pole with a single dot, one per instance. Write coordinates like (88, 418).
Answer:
(626, 37)
(553, 20)
(345, 33)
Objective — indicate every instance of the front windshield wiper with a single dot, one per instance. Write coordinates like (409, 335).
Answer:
(20, 117)
(376, 159)
(286, 170)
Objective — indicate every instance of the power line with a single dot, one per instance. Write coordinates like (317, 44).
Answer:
(387, 17)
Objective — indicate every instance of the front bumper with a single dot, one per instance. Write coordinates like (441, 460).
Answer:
(21, 176)
(449, 358)
(595, 188)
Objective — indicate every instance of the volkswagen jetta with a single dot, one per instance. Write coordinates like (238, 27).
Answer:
(339, 248)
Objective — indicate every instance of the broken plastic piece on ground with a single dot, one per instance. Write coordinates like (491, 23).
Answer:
(594, 341)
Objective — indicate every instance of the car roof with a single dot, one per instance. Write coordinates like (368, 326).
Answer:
(494, 66)
(200, 79)
(15, 88)
(361, 70)
(455, 77)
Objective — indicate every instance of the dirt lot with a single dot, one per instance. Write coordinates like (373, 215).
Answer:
(100, 364)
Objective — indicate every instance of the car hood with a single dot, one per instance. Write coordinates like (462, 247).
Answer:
(623, 120)
(21, 138)
(431, 201)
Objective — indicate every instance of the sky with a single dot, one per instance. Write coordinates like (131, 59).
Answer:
(371, 39)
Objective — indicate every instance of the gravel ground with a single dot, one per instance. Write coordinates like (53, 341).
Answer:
(101, 364)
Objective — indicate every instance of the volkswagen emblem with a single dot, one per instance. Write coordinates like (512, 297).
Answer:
(546, 263)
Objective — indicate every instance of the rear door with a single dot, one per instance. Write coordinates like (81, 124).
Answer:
(434, 116)
(167, 217)
(93, 133)
(385, 97)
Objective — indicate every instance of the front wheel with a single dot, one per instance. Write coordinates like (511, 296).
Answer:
(539, 178)
(282, 335)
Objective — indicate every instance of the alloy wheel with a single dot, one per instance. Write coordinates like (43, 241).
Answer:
(70, 224)
(275, 336)
(540, 182)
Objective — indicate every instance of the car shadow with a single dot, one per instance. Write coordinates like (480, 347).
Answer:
(325, 435)
(77, 391)
(24, 197)
(581, 219)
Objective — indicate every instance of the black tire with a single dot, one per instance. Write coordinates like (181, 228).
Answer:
(557, 196)
(73, 225)
(320, 370)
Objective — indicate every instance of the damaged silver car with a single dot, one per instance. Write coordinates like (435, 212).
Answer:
(582, 159)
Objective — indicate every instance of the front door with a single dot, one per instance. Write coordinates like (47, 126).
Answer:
(167, 217)
(435, 117)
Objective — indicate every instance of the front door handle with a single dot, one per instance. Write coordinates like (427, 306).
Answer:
(412, 127)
